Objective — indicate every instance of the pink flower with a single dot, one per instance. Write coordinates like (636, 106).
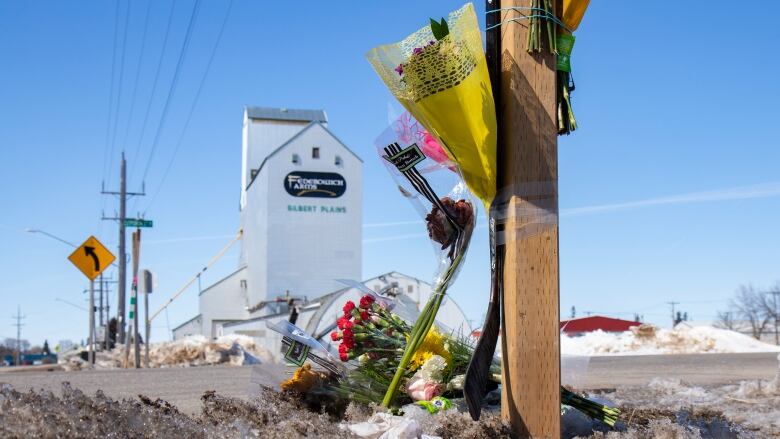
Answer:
(403, 128)
(433, 149)
(400, 69)
(420, 390)
(417, 51)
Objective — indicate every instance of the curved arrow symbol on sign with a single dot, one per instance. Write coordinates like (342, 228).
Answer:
(90, 251)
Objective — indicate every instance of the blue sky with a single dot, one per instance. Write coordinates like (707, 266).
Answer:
(669, 190)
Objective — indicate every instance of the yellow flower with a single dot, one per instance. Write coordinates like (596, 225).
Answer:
(432, 345)
(303, 380)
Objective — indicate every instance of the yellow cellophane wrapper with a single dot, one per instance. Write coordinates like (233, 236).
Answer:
(447, 89)
(573, 11)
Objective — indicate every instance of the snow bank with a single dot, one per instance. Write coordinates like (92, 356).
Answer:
(650, 340)
(195, 350)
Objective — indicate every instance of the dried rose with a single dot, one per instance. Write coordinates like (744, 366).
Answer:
(440, 229)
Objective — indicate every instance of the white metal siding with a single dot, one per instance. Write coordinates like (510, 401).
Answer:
(225, 300)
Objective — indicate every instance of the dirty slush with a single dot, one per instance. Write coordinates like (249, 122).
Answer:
(277, 415)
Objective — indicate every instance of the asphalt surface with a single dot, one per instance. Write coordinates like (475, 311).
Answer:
(183, 387)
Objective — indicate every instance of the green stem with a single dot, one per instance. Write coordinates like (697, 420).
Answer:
(423, 325)
(419, 333)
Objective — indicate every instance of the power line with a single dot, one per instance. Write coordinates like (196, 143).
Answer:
(137, 73)
(111, 93)
(172, 88)
(71, 304)
(154, 88)
(119, 88)
(106, 158)
(193, 106)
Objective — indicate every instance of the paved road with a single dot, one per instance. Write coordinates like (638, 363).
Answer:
(699, 369)
(181, 387)
(184, 386)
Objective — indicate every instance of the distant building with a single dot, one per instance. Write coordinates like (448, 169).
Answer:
(301, 205)
(581, 325)
(301, 215)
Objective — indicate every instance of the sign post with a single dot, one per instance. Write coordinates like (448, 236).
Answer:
(146, 284)
(91, 258)
(134, 305)
(92, 340)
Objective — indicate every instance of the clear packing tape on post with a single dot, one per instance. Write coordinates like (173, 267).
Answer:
(525, 210)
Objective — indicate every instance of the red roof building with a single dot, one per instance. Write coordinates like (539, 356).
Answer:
(592, 323)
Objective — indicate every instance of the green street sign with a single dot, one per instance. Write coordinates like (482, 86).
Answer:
(133, 222)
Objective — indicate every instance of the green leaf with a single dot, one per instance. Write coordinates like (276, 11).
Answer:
(435, 28)
(439, 29)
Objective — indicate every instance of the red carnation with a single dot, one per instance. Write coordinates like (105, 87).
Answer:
(335, 336)
(343, 323)
(348, 307)
(366, 301)
(364, 316)
(344, 356)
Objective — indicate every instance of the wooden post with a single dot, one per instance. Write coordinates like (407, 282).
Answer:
(528, 161)
(136, 254)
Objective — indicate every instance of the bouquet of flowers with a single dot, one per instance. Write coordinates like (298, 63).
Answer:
(433, 184)
(570, 18)
(439, 74)
(371, 340)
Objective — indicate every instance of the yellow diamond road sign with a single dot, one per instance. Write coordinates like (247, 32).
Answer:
(91, 258)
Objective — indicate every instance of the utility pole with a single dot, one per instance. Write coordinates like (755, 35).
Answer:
(104, 308)
(123, 196)
(134, 303)
(19, 317)
(674, 316)
(775, 293)
(527, 157)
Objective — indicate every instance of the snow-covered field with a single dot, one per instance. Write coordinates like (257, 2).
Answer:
(650, 340)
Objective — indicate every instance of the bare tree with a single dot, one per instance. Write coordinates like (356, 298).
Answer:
(749, 305)
(771, 305)
(725, 320)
